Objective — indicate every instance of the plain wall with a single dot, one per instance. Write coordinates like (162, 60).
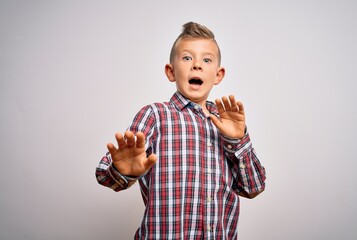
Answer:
(74, 72)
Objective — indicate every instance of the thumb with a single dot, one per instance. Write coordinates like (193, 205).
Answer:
(216, 121)
(150, 161)
(112, 150)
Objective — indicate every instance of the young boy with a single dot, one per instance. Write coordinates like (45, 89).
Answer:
(191, 157)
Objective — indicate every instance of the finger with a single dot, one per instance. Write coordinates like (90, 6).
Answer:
(111, 148)
(240, 107)
(227, 104)
(140, 140)
(151, 160)
(219, 105)
(121, 141)
(233, 103)
(130, 139)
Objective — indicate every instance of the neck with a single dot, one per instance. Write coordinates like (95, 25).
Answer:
(205, 110)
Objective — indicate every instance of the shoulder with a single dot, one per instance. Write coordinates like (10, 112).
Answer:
(160, 106)
(157, 106)
(154, 109)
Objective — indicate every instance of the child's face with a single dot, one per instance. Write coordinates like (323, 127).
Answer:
(195, 68)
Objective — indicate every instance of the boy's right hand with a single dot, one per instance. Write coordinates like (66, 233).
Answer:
(130, 157)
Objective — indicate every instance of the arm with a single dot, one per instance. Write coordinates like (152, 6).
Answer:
(123, 165)
(246, 168)
(249, 174)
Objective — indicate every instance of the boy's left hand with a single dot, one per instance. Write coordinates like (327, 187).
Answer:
(232, 117)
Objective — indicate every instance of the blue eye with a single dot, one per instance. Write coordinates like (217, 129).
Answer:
(187, 58)
(207, 60)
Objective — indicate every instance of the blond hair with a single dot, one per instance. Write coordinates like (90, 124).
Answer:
(194, 30)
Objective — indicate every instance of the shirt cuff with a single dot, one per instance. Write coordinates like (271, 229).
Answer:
(236, 146)
(123, 181)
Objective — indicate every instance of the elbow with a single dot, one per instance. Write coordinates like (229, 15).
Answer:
(251, 195)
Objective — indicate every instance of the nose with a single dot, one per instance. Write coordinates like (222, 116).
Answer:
(196, 66)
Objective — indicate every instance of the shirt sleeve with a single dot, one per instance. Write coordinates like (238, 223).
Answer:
(248, 173)
(106, 173)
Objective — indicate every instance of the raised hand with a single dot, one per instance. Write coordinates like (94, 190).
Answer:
(232, 117)
(130, 157)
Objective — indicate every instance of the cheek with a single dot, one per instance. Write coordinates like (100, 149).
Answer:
(180, 73)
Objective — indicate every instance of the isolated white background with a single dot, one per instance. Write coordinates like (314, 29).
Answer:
(74, 72)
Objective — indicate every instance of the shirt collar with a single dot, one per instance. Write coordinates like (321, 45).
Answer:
(181, 102)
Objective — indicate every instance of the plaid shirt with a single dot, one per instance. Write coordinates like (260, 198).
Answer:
(192, 190)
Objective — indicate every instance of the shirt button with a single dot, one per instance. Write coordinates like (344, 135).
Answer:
(196, 107)
(209, 228)
(209, 170)
(209, 144)
(229, 146)
(209, 199)
(242, 166)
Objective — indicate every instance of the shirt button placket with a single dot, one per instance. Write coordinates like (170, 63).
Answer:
(209, 229)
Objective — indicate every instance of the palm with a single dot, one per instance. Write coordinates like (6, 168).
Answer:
(130, 157)
(129, 161)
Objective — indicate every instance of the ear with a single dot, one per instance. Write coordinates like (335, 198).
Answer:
(220, 75)
(169, 71)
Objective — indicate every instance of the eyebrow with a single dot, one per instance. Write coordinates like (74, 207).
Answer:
(204, 53)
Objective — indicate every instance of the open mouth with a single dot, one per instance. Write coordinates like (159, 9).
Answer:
(195, 81)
